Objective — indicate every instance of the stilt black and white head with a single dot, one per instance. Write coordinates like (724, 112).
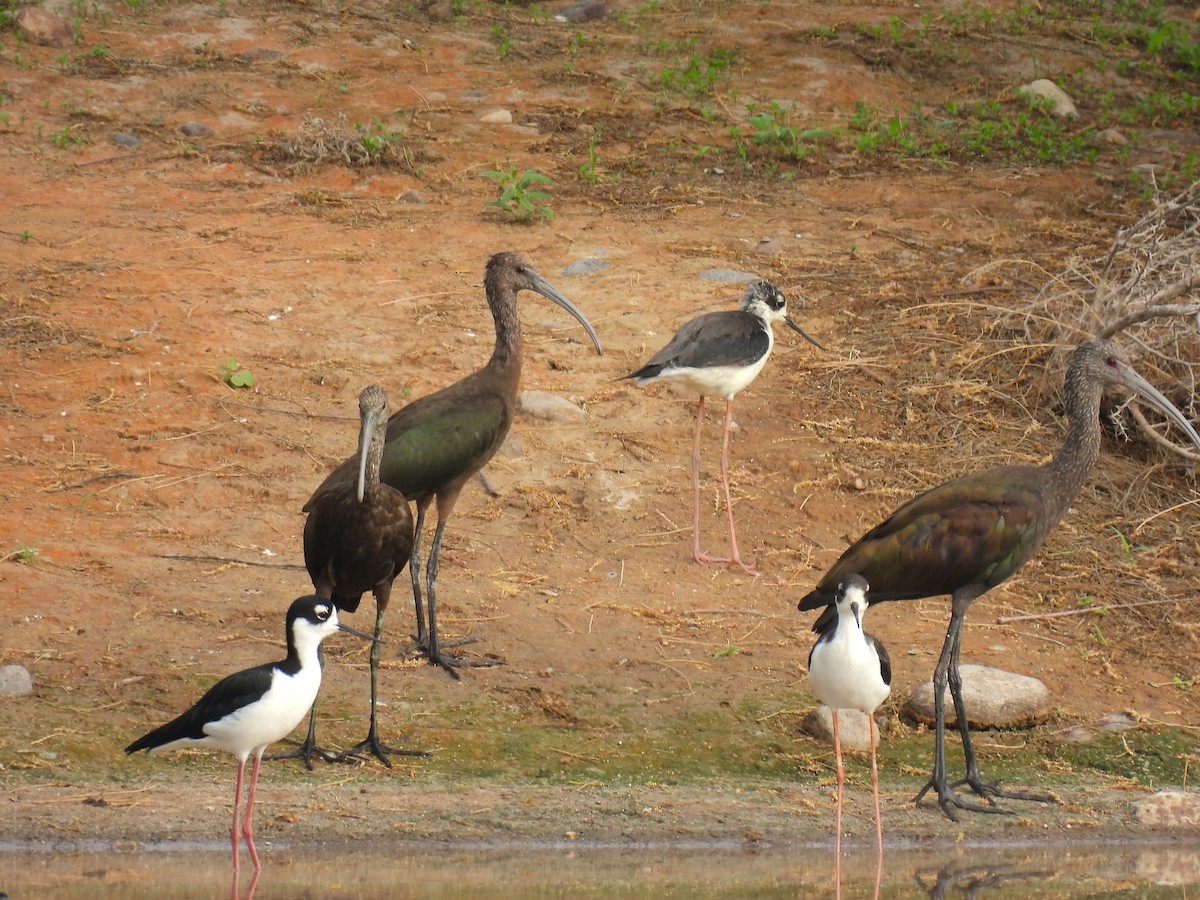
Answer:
(245, 712)
(719, 354)
(850, 669)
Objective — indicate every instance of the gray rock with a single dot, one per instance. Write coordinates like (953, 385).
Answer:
(1168, 809)
(727, 276)
(258, 54)
(39, 26)
(549, 407)
(1112, 136)
(589, 266)
(1060, 104)
(583, 11)
(994, 699)
(15, 681)
(1117, 722)
(121, 139)
(1076, 734)
(852, 726)
(194, 129)
(413, 196)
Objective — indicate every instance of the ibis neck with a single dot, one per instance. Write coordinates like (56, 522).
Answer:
(1070, 466)
(507, 353)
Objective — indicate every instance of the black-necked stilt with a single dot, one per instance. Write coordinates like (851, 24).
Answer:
(358, 538)
(966, 536)
(437, 443)
(850, 669)
(245, 712)
(720, 353)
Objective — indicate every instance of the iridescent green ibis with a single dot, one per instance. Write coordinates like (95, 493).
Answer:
(358, 538)
(966, 536)
(434, 445)
(850, 669)
(720, 353)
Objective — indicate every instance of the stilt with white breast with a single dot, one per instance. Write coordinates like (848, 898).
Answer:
(245, 712)
(850, 669)
(720, 353)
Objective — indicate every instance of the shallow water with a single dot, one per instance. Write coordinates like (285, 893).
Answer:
(390, 869)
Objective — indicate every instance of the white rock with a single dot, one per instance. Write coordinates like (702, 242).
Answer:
(852, 727)
(497, 117)
(549, 407)
(15, 681)
(994, 699)
(1168, 809)
(41, 27)
(1061, 105)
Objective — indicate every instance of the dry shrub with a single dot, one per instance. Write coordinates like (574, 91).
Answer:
(1142, 294)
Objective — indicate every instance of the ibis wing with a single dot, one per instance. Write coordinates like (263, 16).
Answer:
(976, 530)
(433, 441)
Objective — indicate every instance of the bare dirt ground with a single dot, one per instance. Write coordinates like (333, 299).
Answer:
(152, 525)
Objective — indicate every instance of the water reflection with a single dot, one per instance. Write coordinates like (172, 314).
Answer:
(403, 870)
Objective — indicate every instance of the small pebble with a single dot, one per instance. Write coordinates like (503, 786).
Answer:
(121, 139)
(589, 266)
(413, 196)
(497, 117)
(195, 129)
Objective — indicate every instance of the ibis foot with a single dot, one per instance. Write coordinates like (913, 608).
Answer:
(989, 790)
(450, 663)
(949, 800)
(381, 752)
(306, 750)
(421, 644)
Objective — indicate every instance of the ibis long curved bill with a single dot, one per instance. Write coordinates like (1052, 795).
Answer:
(538, 284)
(1154, 397)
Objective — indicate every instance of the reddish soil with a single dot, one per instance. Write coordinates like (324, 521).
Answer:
(159, 507)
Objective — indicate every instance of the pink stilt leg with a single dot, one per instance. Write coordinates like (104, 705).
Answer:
(237, 799)
(736, 558)
(697, 554)
(247, 828)
(878, 818)
(841, 784)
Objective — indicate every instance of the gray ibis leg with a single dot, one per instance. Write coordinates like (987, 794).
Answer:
(447, 661)
(372, 742)
(988, 790)
(414, 570)
(947, 798)
(420, 640)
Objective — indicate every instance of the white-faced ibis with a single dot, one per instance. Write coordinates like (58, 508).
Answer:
(245, 712)
(719, 353)
(966, 536)
(358, 538)
(435, 444)
(850, 669)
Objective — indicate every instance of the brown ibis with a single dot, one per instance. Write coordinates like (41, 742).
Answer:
(966, 536)
(850, 669)
(435, 444)
(720, 353)
(357, 538)
(245, 712)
